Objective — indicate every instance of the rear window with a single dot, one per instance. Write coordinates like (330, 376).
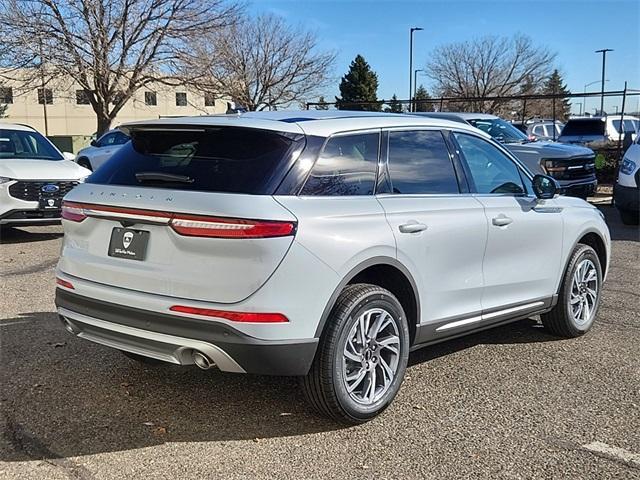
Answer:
(225, 159)
(584, 127)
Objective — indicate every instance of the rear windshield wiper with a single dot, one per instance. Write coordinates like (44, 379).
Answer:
(162, 177)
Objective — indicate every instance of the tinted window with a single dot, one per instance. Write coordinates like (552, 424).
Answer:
(226, 159)
(491, 170)
(16, 144)
(630, 126)
(419, 162)
(584, 127)
(346, 166)
(120, 138)
(107, 140)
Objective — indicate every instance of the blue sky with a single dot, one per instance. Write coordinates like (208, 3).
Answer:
(379, 30)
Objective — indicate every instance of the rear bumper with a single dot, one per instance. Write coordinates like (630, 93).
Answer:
(173, 338)
(626, 198)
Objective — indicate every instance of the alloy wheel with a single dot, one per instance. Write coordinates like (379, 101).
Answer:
(584, 292)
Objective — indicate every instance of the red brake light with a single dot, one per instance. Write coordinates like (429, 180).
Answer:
(184, 224)
(64, 283)
(230, 228)
(233, 316)
(73, 211)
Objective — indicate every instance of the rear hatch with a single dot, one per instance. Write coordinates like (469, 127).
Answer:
(184, 213)
(583, 131)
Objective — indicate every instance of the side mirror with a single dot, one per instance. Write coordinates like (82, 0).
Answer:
(68, 156)
(94, 143)
(545, 187)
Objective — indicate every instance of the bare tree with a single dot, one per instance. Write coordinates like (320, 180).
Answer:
(260, 62)
(488, 67)
(110, 48)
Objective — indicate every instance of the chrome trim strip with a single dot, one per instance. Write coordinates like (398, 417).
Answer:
(148, 219)
(221, 358)
(489, 316)
(459, 323)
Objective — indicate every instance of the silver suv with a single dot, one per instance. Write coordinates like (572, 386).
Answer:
(326, 245)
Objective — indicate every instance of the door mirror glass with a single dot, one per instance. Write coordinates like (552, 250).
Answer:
(545, 187)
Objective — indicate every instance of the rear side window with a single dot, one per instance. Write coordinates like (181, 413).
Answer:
(419, 162)
(346, 166)
(225, 159)
(584, 127)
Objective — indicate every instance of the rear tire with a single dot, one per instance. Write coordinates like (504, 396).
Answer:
(579, 296)
(629, 217)
(362, 356)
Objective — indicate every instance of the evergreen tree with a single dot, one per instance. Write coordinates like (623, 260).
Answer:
(419, 104)
(394, 105)
(322, 107)
(360, 84)
(555, 85)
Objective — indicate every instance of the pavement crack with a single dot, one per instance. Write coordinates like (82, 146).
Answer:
(31, 446)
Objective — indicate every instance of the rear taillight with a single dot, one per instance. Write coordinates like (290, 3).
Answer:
(73, 211)
(183, 224)
(228, 228)
(64, 283)
(245, 317)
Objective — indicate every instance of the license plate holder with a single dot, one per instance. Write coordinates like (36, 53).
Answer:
(128, 243)
(50, 203)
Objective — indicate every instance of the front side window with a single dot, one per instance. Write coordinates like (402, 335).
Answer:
(419, 162)
(491, 170)
(346, 166)
(16, 144)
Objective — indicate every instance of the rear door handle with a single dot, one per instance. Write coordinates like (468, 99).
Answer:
(501, 220)
(412, 227)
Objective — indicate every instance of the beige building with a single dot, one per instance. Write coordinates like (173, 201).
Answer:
(69, 112)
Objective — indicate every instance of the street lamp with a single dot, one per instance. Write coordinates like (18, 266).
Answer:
(415, 80)
(604, 60)
(413, 29)
(585, 91)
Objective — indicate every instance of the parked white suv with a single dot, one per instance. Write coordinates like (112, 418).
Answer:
(626, 191)
(326, 245)
(34, 176)
(101, 150)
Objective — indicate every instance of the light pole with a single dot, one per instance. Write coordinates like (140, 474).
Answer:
(604, 62)
(585, 91)
(413, 29)
(415, 81)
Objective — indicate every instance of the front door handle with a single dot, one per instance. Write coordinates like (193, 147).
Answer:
(501, 220)
(412, 227)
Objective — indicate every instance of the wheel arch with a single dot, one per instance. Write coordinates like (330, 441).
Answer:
(594, 239)
(85, 159)
(386, 272)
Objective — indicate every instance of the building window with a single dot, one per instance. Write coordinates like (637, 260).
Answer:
(150, 98)
(6, 95)
(117, 98)
(181, 99)
(45, 95)
(82, 97)
(209, 100)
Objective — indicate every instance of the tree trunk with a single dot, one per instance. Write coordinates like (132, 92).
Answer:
(104, 124)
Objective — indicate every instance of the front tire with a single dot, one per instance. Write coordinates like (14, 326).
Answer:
(579, 296)
(362, 356)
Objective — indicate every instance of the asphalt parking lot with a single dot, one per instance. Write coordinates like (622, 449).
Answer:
(513, 402)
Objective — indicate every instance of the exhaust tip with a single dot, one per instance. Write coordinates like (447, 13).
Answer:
(201, 360)
(69, 327)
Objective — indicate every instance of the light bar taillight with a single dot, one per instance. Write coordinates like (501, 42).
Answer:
(245, 317)
(73, 212)
(64, 283)
(183, 224)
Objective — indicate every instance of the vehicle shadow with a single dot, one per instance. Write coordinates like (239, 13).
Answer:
(617, 229)
(10, 235)
(66, 397)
